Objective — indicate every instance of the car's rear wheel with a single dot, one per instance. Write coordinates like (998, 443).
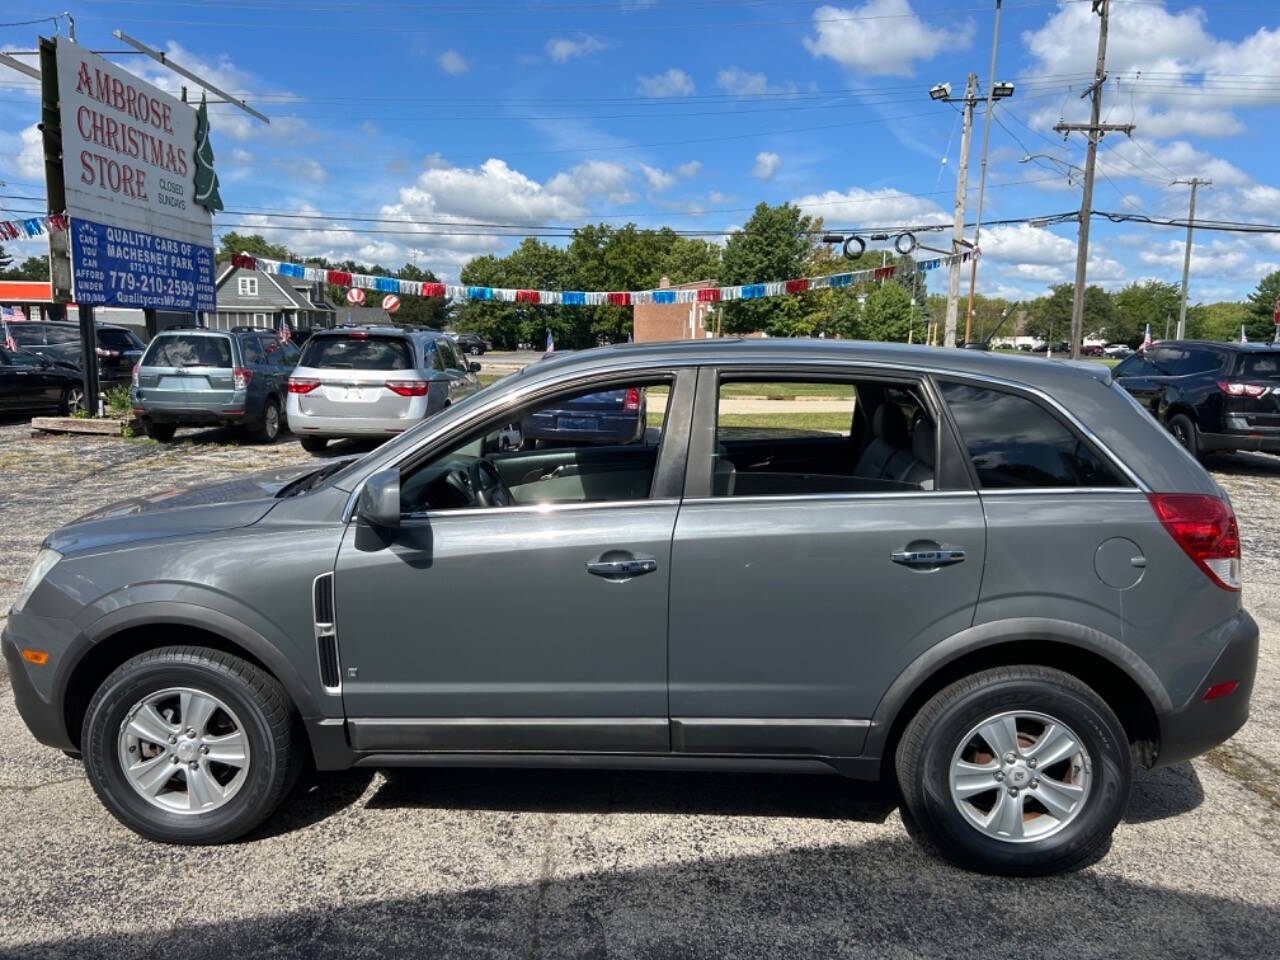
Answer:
(268, 428)
(190, 745)
(73, 400)
(1018, 770)
(1184, 431)
(475, 351)
(313, 444)
(161, 431)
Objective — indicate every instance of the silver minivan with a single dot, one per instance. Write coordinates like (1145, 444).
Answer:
(374, 381)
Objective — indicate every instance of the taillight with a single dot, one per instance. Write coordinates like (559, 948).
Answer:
(104, 352)
(303, 386)
(632, 402)
(408, 388)
(1242, 389)
(135, 374)
(1205, 528)
(240, 377)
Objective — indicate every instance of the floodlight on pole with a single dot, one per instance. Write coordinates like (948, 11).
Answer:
(940, 91)
(1000, 91)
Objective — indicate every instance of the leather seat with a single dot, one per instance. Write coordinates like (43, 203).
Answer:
(723, 474)
(919, 472)
(896, 452)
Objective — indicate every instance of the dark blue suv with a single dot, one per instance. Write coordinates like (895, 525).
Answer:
(193, 376)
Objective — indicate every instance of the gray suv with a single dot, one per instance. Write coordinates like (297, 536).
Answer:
(194, 376)
(993, 581)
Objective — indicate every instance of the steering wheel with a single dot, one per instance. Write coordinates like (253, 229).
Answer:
(487, 486)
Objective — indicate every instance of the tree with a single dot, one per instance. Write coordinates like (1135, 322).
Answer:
(886, 314)
(690, 259)
(1139, 304)
(32, 268)
(1262, 304)
(775, 244)
(5, 260)
(1219, 321)
(250, 243)
(1049, 318)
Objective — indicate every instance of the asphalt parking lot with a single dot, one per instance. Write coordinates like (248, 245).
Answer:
(553, 864)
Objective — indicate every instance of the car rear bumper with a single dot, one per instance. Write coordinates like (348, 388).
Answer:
(1200, 725)
(1263, 440)
(303, 425)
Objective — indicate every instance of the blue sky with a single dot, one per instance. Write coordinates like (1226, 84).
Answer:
(689, 112)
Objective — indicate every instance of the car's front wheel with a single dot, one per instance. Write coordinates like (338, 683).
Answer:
(190, 745)
(475, 350)
(73, 400)
(1020, 770)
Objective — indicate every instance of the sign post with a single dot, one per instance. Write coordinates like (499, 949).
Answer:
(132, 168)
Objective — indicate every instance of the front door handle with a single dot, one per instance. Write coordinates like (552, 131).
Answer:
(928, 557)
(622, 568)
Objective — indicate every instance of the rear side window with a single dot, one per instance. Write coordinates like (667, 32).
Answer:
(188, 350)
(252, 350)
(68, 334)
(357, 353)
(1199, 361)
(1258, 366)
(118, 340)
(1014, 442)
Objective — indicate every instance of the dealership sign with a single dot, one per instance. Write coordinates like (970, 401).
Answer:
(140, 188)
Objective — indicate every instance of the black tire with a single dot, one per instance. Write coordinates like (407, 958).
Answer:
(267, 430)
(930, 740)
(72, 401)
(475, 351)
(275, 754)
(313, 444)
(162, 432)
(1184, 431)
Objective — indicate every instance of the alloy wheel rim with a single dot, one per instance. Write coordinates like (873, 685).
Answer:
(75, 399)
(272, 422)
(1020, 776)
(184, 750)
(1180, 432)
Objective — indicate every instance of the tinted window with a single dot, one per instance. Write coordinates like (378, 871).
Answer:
(1165, 360)
(1014, 442)
(1199, 360)
(188, 350)
(27, 336)
(1258, 366)
(65, 333)
(446, 352)
(24, 359)
(252, 350)
(118, 340)
(357, 352)
(434, 360)
(1136, 365)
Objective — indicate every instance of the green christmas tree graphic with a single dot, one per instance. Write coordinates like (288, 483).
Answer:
(206, 180)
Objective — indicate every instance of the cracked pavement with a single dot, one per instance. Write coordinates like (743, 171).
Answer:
(479, 863)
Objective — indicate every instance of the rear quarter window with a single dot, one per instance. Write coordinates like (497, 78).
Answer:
(1014, 442)
(1258, 366)
(357, 353)
(118, 340)
(188, 350)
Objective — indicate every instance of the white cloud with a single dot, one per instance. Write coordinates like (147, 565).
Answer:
(1044, 256)
(309, 169)
(884, 207)
(673, 83)
(31, 159)
(239, 157)
(740, 83)
(660, 180)
(452, 62)
(881, 37)
(564, 49)
(766, 165)
(594, 178)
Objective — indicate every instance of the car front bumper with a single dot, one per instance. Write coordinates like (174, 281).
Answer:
(1199, 725)
(34, 699)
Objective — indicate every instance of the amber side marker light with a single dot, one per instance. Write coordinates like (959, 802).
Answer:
(38, 657)
(1221, 689)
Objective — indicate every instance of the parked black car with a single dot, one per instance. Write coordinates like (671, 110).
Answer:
(1213, 397)
(118, 347)
(33, 384)
(471, 343)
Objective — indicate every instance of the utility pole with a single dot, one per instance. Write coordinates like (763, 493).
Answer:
(1186, 254)
(1094, 130)
(957, 233)
(982, 176)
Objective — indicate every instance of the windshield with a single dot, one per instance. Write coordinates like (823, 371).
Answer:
(188, 350)
(357, 352)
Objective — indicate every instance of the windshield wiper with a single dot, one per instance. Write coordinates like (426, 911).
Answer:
(308, 481)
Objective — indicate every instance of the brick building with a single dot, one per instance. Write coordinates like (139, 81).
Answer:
(675, 321)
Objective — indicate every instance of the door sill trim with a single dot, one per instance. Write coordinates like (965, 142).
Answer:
(610, 761)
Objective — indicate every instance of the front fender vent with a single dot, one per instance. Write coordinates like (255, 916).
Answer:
(326, 633)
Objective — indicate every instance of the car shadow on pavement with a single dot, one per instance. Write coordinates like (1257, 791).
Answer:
(596, 791)
(1244, 464)
(876, 899)
(1167, 792)
(315, 797)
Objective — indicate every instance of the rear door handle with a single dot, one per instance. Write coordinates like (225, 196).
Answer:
(928, 557)
(622, 569)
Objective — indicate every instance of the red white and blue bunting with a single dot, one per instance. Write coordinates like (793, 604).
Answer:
(31, 227)
(588, 298)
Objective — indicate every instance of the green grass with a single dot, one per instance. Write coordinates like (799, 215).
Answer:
(818, 422)
(789, 391)
(488, 379)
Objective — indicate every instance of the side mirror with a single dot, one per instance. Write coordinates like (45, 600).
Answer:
(379, 503)
(473, 367)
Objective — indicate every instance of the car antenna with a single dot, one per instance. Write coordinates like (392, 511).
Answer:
(1009, 312)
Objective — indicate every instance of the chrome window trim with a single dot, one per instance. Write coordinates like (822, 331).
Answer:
(1059, 491)
(808, 497)
(537, 508)
(669, 364)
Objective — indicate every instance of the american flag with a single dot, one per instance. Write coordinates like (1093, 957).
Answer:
(1243, 338)
(7, 314)
(1146, 339)
(285, 333)
(551, 342)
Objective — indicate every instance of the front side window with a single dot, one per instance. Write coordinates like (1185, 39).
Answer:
(357, 351)
(27, 336)
(188, 350)
(797, 437)
(1014, 442)
(1135, 365)
(581, 446)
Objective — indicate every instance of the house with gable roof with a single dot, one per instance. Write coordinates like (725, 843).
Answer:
(252, 298)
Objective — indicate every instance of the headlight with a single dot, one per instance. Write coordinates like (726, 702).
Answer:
(45, 561)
